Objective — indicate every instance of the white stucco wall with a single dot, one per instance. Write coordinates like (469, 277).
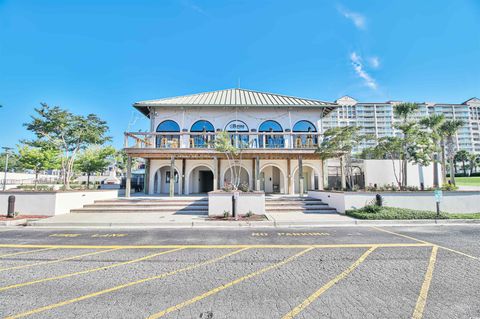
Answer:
(452, 202)
(52, 203)
(219, 202)
(219, 117)
(381, 172)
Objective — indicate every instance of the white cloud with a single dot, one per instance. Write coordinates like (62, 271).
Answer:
(374, 62)
(358, 20)
(360, 71)
(192, 6)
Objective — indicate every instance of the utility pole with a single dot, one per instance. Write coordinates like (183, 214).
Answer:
(7, 153)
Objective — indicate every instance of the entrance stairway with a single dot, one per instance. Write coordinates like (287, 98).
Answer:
(290, 204)
(176, 205)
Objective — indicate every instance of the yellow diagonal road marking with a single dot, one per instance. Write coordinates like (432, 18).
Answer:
(295, 311)
(129, 284)
(89, 270)
(428, 243)
(26, 252)
(57, 260)
(227, 285)
(401, 235)
(422, 297)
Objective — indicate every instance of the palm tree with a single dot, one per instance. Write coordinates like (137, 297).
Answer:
(433, 124)
(404, 111)
(474, 162)
(462, 156)
(448, 131)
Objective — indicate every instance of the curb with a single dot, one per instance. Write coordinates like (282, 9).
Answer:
(253, 224)
(15, 222)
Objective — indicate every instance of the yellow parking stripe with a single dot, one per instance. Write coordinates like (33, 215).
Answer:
(428, 243)
(89, 270)
(26, 252)
(234, 246)
(401, 235)
(422, 297)
(225, 286)
(57, 260)
(98, 293)
(295, 311)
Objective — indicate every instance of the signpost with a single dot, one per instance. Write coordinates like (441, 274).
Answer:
(438, 198)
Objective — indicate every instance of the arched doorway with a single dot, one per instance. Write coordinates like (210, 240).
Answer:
(272, 180)
(168, 138)
(200, 180)
(271, 140)
(203, 139)
(308, 138)
(243, 178)
(162, 180)
(311, 179)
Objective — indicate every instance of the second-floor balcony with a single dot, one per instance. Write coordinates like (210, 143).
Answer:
(206, 140)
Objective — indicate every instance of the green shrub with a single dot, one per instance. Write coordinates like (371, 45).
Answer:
(249, 214)
(377, 212)
(243, 187)
(449, 187)
(226, 213)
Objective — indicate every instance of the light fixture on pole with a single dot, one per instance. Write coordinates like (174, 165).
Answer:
(7, 152)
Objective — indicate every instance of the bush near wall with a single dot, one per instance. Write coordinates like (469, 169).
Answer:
(377, 212)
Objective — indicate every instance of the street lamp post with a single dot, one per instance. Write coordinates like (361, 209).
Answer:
(7, 152)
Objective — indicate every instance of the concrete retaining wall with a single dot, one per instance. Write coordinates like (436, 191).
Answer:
(452, 202)
(52, 203)
(219, 202)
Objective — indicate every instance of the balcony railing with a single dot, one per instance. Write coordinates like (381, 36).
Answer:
(205, 140)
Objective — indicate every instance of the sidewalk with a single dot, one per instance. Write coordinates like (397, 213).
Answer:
(166, 220)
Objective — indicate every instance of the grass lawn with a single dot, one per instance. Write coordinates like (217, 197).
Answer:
(375, 212)
(468, 181)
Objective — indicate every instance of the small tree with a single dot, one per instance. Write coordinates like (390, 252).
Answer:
(474, 162)
(94, 159)
(390, 147)
(223, 144)
(448, 131)
(38, 159)
(340, 142)
(433, 124)
(462, 156)
(68, 133)
(404, 111)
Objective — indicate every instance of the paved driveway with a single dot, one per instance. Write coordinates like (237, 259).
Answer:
(350, 272)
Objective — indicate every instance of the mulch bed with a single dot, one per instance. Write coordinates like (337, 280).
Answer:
(4, 217)
(239, 218)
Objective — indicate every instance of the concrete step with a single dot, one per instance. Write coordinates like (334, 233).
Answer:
(178, 205)
(142, 206)
(130, 210)
(163, 201)
(293, 207)
(293, 203)
(313, 211)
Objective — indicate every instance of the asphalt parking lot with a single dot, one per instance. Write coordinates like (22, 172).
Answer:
(348, 272)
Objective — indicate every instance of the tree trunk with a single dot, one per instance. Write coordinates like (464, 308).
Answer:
(36, 180)
(464, 169)
(404, 168)
(435, 170)
(342, 173)
(452, 171)
(88, 180)
(444, 164)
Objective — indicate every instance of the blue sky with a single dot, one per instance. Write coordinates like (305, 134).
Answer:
(101, 56)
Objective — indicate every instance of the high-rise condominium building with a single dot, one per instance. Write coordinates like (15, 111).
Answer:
(377, 118)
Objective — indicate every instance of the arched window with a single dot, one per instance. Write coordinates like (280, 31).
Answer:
(307, 138)
(203, 139)
(271, 140)
(239, 140)
(168, 139)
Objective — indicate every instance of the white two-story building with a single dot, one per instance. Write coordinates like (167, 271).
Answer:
(278, 135)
